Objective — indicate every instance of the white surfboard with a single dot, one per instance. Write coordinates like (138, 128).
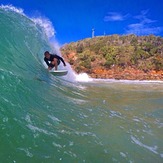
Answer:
(59, 72)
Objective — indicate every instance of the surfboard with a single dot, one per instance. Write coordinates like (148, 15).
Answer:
(59, 72)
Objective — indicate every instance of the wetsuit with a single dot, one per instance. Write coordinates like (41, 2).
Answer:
(48, 61)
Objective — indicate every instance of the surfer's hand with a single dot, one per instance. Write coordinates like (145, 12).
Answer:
(49, 68)
(65, 64)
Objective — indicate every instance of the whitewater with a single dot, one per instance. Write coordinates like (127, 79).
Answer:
(47, 119)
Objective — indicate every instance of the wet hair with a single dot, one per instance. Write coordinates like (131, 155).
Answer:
(47, 52)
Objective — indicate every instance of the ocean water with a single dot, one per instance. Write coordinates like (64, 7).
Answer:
(47, 119)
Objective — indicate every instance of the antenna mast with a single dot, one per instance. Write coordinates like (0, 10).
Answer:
(93, 32)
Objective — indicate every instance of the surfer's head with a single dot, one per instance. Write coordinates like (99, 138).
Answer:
(47, 54)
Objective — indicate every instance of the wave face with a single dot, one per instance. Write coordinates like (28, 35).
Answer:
(48, 119)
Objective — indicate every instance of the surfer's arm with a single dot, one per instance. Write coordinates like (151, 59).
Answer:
(63, 61)
(46, 61)
(60, 58)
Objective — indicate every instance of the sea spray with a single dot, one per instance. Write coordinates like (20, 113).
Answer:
(83, 77)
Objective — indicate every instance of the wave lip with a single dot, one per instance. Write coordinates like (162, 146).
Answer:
(12, 8)
(46, 24)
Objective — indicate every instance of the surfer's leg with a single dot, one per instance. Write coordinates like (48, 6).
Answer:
(55, 63)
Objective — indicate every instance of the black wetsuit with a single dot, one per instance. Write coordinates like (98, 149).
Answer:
(52, 56)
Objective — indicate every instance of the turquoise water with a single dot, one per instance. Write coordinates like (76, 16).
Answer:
(48, 119)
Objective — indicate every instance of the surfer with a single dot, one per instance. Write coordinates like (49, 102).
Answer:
(53, 60)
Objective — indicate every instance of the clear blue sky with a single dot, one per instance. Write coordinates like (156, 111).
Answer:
(73, 20)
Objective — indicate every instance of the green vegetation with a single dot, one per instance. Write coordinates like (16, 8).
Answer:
(141, 52)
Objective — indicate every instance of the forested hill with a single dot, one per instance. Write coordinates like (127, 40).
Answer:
(143, 53)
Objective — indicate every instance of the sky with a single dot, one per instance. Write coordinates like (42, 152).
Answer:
(73, 20)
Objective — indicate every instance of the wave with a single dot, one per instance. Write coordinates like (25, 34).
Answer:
(24, 40)
(50, 119)
(21, 41)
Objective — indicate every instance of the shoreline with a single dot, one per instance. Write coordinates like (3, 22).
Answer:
(84, 77)
(127, 81)
(126, 74)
